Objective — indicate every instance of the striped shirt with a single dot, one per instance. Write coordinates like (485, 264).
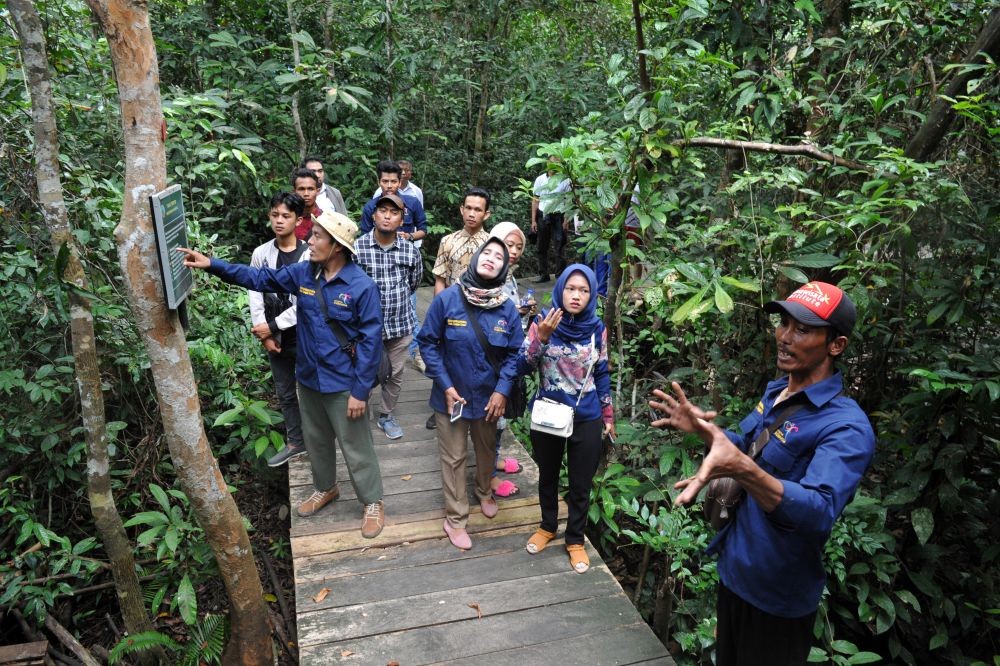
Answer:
(397, 271)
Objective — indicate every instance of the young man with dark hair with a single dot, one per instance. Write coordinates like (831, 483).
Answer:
(329, 198)
(456, 249)
(395, 265)
(334, 378)
(799, 457)
(413, 229)
(406, 186)
(306, 184)
(272, 316)
(414, 226)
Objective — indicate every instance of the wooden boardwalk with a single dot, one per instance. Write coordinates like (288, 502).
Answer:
(410, 597)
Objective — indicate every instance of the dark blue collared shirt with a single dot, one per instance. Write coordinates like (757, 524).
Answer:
(352, 299)
(775, 560)
(455, 357)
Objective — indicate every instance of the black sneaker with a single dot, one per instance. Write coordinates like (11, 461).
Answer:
(431, 423)
(286, 454)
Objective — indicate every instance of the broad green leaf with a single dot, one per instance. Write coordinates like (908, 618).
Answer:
(723, 301)
(147, 518)
(940, 639)
(817, 260)
(256, 410)
(793, 274)
(160, 496)
(923, 523)
(909, 598)
(936, 312)
(844, 647)
(685, 310)
(172, 539)
(289, 78)
(303, 37)
(740, 284)
(187, 601)
(228, 416)
(864, 658)
(691, 273)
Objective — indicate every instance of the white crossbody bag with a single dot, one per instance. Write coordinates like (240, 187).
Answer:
(555, 418)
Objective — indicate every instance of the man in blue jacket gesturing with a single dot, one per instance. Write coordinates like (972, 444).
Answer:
(335, 300)
(814, 445)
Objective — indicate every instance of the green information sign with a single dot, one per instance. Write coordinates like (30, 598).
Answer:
(171, 233)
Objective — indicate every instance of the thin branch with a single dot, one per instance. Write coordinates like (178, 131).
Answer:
(804, 149)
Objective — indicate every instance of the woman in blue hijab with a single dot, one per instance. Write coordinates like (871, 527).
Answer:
(568, 346)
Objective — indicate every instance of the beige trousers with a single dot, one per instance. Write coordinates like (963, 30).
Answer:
(453, 445)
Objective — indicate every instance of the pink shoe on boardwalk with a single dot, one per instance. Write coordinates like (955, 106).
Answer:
(458, 536)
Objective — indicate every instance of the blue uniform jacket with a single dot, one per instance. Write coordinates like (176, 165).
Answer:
(414, 217)
(352, 299)
(775, 560)
(454, 356)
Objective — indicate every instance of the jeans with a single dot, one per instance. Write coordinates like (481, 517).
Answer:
(283, 373)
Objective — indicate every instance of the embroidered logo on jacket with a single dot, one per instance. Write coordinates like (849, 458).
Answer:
(501, 326)
(307, 291)
(457, 322)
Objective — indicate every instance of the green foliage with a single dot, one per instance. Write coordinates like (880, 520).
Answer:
(205, 643)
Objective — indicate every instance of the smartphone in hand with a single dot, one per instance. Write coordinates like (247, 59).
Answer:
(456, 411)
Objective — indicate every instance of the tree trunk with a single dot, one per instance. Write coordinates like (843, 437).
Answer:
(88, 375)
(296, 61)
(640, 46)
(941, 114)
(126, 26)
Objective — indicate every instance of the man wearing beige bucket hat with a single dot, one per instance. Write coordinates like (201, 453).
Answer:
(340, 346)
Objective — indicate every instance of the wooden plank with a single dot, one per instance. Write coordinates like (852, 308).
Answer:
(304, 546)
(341, 517)
(24, 654)
(631, 644)
(330, 566)
(448, 574)
(350, 623)
(471, 637)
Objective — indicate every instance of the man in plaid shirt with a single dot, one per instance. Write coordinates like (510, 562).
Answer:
(394, 264)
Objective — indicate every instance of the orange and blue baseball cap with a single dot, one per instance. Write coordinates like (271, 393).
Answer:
(818, 304)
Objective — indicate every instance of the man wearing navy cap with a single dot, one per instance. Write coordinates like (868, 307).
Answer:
(818, 445)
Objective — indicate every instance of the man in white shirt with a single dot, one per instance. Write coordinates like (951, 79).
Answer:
(549, 223)
(329, 198)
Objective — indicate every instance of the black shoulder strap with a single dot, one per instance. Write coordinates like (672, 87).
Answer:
(300, 247)
(473, 318)
(759, 444)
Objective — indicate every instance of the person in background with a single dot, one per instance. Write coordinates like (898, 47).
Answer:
(306, 184)
(329, 198)
(469, 340)
(514, 239)
(414, 226)
(413, 229)
(568, 345)
(456, 249)
(272, 317)
(814, 444)
(406, 185)
(395, 265)
(334, 379)
(550, 224)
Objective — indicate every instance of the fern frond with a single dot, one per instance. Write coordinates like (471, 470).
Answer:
(141, 642)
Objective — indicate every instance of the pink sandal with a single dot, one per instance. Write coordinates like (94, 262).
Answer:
(506, 489)
(511, 466)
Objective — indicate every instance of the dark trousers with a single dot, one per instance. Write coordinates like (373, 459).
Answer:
(283, 372)
(583, 454)
(551, 232)
(747, 636)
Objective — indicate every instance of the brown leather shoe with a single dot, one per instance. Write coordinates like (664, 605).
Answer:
(374, 520)
(317, 501)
